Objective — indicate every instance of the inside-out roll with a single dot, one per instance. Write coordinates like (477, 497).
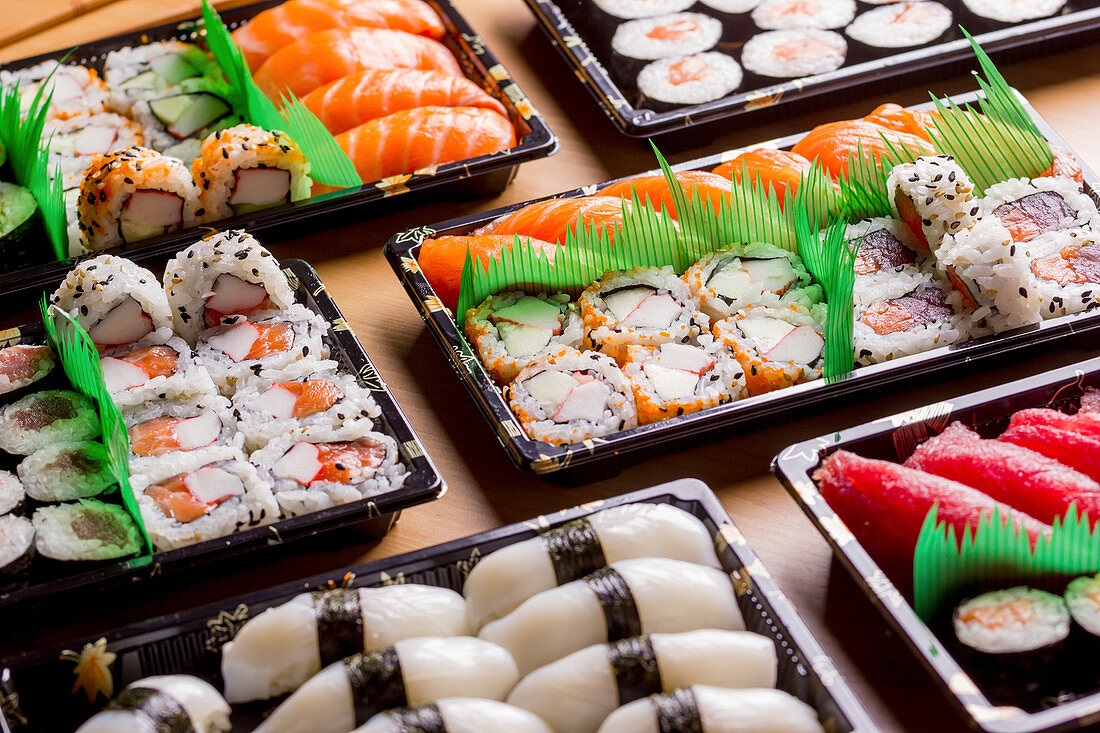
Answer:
(281, 648)
(175, 702)
(600, 678)
(505, 578)
(456, 715)
(707, 709)
(627, 598)
(348, 693)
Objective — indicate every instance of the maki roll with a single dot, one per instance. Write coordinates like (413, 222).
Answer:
(278, 650)
(141, 73)
(16, 546)
(161, 427)
(66, 471)
(510, 330)
(602, 677)
(176, 121)
(507, 577)
(789, 54)
(116, 301)
(24, 364)
(644, 305)
(676, 34)
(901, 25)
(1083, 602)
(777, 347)
(1068, 278)
(457, 715)
(199, 495)
(76, 89)
(76, 141)
(1033, 209)
(568, 396)
(744, 275)
(934, 197)
(42, 419)
(176, 702)
(777, 15)
(309, 393)
(627, 598)
(11, 492)
(245, 168)
(629, 9)
(134, 194)
(152, 369)
(320, 467)
(348, 693)
(85, 530)
(927, 317)
(676, 379)
(887, 264)
(709, 709)
(17, 220)
(1013, 11)
(694, 79)
(224, 273)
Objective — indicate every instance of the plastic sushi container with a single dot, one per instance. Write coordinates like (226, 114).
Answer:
(582, 33)
(480, 176)
(610, 452)
(894, 439)
(36, 685)
(371, 517)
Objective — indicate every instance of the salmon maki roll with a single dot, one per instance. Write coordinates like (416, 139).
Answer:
(553, 219)
(780, 170)
(712, 188)
(413, 139)
(442, 259)
(326, 56)
(372, 93)
(284, 24)
(832, 144)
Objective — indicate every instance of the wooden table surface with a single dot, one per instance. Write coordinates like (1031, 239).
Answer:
(484, 490)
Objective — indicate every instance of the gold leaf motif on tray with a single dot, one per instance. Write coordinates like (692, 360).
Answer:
(416, 235)
(393, 185)
(388, 579)
(9, 704)
(762, 100)
(411, 450)
(10, 337)
(498, 72)
(408, 264)
(92, 670)
(369, 378)
(838, 530)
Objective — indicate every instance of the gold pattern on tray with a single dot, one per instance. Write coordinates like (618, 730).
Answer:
(409, 265)
(9, 705)
(434, 304)
(427, 170)
(291, 278)
(885, 590)
(388, 579)
(92, 670)
(520, 100)
(498, 72)
(838, 530)
(368, 377)
(223, 628)
(742, 581)
(339, 324)
(589, 190)
(10, 337)
(393, 185)
(731, 535)
(411, 450)
(465, 566)
(763, 100)
(416, 235)
(513, 430)
(477, 45)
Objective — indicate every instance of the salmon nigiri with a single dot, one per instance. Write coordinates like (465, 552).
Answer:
(780, 169)
(284, 24)
(552, 219)
(913, 121)
(326, 56)
(833, 143)
(372, 93)
(712, 188)
(412, 139)
(442, 259)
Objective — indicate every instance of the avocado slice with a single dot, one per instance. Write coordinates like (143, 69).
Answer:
(173, 68)
(144, 80)
(205, 110)
(17, 208)
(170, 109)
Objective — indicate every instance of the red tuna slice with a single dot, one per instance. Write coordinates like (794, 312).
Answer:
(1021, 478)
(1090, 400)
(885, 505)
(1075, 450)
(1082, 422)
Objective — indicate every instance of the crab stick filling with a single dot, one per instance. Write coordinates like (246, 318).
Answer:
(676, 370)
(138, 367)
(246, 340)
(345, 462)
(566, 396)
(187, 496)
(169, 434)
(150, 214)
(641, 306)
(299, 399)
(123, 324)
(233, 296)
(779, 341)
(255, 188)
(736, 278)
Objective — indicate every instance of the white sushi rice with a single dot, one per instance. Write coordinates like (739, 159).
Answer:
(941, 194)
(16, 543)
(901, 24)
(85, 530)
(628, 9)
(677, 34)
(731, 6)
(872, 347)
(800, 15)
(701, 77)
(794, 53)
(1047, 622)
(1060, 300)
(297, 498)
(1082, 595)
(123, 66)
(183, 408)
(1014, 11)
(66, 471)
(190, 379)
(11, 492)
(45, 364)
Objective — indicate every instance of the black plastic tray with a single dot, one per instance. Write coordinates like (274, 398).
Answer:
(491, 174)
(375, 515)
(587, 49)
(36, 685)
(894, 439)
(540, 457)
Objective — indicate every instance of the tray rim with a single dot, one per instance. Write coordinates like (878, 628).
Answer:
(793, 467)
(544, 458)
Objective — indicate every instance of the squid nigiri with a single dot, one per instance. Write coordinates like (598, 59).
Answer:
(711, 188)
(832, 143)
(372, 93)
(284, 24)
(780, 169)
(552, 219)
(412, 139)
(442, 259)
(326, 56)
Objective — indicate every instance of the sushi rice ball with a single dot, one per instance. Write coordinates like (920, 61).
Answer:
(789, 54)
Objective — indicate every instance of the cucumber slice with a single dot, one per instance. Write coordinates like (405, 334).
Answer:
(170, 109)
(173, 68)
(205, 110)
(17, 207)
(144, 80)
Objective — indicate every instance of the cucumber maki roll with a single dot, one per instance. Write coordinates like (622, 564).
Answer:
(710, 709)
(677, 379)
(66, 471)
(22, 365)
(568, 396)
(143, 72)
(85, 530)
(740, 276)
(45, 418)
(510, 330)
(16, 545)
(11, 492)
(777, 347)
(175, 702)
(17, 219)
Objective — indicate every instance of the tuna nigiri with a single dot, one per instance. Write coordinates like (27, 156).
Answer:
(1076, 450)
(372, 93)
(712, 188)
(552, 219)
(412, 139)
(780, 169)
(885, 506)
(284, 24)
(1084, 421)
(1022, 478)
(326, 56)
(832, 144)
(442, 259)
(896, 117)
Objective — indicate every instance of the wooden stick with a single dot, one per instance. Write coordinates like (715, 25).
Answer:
(19, 25)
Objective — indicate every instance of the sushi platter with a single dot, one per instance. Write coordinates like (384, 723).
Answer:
(697, 79)
(219, 644)
(921, 438)
(471, 76)
(181, 429)
(544, 457)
